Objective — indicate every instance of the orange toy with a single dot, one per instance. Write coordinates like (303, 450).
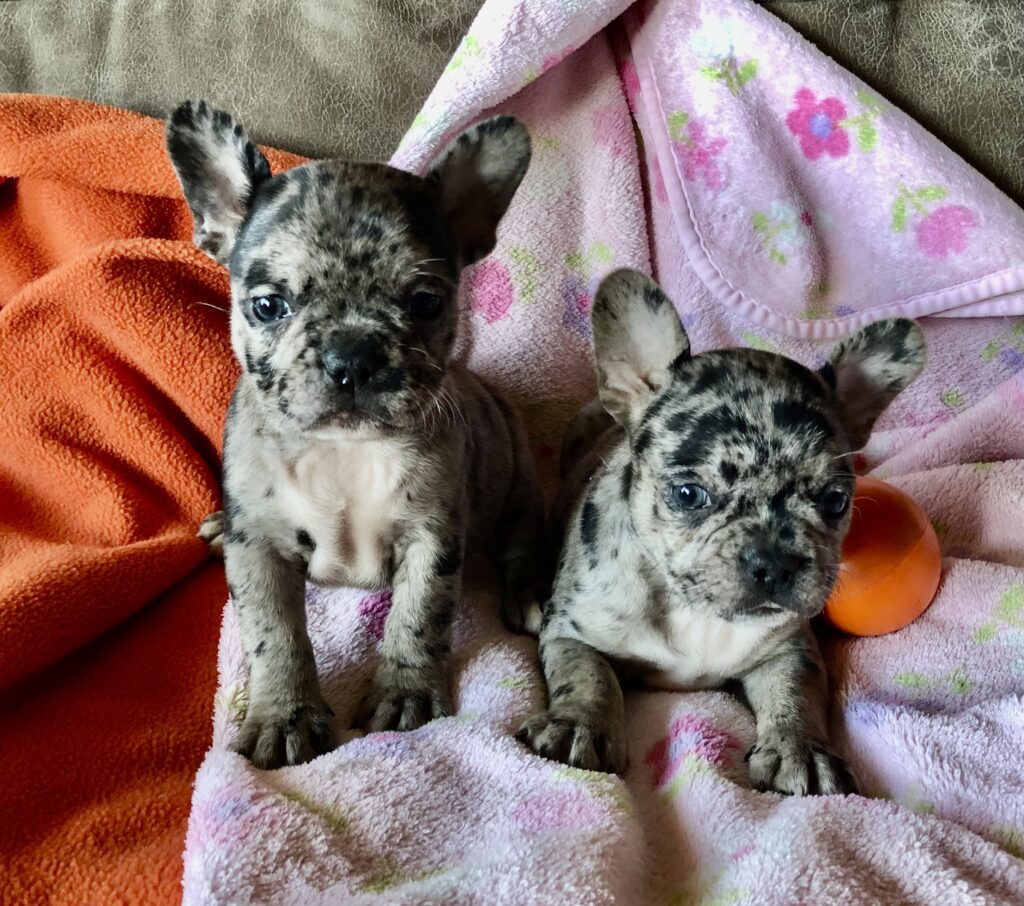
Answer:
(891, 563)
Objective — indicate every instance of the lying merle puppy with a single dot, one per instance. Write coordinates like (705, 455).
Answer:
(701, 522)
(356, 452)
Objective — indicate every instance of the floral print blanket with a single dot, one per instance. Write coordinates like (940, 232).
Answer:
(781, 203)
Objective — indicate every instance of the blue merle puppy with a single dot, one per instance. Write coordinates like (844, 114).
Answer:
(356, 451)
(701, 521)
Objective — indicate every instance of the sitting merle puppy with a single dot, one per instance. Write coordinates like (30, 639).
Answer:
(701, 530)
(356, 452)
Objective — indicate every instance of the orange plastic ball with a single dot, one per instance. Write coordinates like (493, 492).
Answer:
(891, 563)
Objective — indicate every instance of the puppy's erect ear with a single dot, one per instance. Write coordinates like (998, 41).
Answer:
(869, 369)
(477, 174)
(219, 169)
(638, 341)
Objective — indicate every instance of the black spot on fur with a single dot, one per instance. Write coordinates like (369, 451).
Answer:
(304, 539)
(257, 273)
(562, 691)
(627, 480)
(643, 441)
(678, 422)
(714, 376)
(588, 525)
(728, 471)
(269, 191)
(654, 410)
(777, 503)
(259, 649)
(709, 430)
(654, 297)
(263, 371)
(810, 424)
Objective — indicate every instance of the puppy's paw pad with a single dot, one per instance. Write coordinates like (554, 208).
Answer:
(580, 740)
(275, 739)
(405, 702)
(796, 766)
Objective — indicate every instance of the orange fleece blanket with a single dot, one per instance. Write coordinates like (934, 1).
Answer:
(115, 372)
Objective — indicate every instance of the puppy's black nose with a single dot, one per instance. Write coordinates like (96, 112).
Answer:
(769, 571)
(352, 364)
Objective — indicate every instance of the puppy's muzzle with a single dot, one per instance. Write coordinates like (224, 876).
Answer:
(353, 365)
(769, 572)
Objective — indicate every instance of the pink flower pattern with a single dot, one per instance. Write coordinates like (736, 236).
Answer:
(374, 609)
(945, 231)
(577, 299)
(699, 155)
(818, 125)
(490, 290)
(557, 810)
(689, 735)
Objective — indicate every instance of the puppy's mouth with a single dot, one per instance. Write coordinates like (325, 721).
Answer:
(350, 421)
(754, 607)
(759, 607)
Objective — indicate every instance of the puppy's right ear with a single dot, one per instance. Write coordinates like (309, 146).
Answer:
(219, 169)
(638, 341)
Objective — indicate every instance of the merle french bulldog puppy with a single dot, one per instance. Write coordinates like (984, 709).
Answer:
(356, 451)
(701, 526)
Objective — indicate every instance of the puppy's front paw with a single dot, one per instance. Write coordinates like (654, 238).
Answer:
(577, 738)
(789, 763)
(404, 699)
(211, 530)
(275, 737)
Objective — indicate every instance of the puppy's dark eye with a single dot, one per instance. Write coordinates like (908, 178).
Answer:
(270, 308)
(425, 305)
(834, 502)
(690, 497)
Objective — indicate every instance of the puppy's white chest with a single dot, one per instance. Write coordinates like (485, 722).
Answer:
(683, 649)
(346, 496)
(698, 650)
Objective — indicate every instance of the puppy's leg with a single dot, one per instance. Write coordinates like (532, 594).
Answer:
(286, 720)
(520, 532)
(585, 724)
(789, 695)
(411, 685)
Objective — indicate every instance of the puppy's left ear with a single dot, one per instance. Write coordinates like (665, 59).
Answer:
(219, 168)
(638, 342)
(477, 175)
(870, 369)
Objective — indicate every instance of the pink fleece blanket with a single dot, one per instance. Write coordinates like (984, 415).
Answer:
(781, 203)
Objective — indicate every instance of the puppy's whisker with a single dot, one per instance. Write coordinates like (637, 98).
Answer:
(226, 311)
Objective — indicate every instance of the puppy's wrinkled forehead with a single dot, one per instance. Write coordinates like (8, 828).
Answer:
(742, 414)
(353, 230)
